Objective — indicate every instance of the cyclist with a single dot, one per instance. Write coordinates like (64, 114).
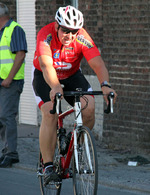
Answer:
(60, 48)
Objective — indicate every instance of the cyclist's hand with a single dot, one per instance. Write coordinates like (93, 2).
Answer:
(55, 90)
(107, 90)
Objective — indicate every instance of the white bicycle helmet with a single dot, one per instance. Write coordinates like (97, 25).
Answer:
(69, 17)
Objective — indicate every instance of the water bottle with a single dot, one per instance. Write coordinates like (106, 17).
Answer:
(62, 141)
(68, 140)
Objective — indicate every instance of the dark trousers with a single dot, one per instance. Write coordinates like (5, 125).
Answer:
(9, 103)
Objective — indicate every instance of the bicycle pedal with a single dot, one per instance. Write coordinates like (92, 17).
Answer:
(58, 183)
(55, 183)
(39, 174)
(51, 183)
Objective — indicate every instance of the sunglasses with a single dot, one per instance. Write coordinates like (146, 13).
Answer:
(66, 30)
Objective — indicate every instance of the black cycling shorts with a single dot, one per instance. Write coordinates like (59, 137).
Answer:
(42, 89)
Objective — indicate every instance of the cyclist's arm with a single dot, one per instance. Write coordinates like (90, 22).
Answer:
(98, 65)
(50, 75)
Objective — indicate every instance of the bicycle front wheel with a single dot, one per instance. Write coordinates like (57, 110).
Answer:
(51, 188)
(85, 179)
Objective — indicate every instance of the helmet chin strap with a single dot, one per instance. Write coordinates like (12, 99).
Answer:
(58, 26)
(57, 33)
(58, 30)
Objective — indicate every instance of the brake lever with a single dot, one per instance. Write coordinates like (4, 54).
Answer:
(110, 104)
(53, 111)
(56, 102)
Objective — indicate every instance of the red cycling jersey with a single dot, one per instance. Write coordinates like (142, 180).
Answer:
(66, 59)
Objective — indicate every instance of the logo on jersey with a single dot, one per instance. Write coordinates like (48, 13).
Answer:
(69, 48)
(56, 55)
(83, 41)
(48, 39)
(70, 53)
(62, 65)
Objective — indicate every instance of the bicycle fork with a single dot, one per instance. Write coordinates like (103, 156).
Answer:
(76, 150)
(79, 124)
(86, 149)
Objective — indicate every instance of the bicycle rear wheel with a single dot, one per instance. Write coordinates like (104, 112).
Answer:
(86, 180)
(50, 189)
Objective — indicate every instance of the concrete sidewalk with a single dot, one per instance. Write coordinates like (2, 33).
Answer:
(113, 166)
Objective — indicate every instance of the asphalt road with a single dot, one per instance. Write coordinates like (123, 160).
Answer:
(24, 182)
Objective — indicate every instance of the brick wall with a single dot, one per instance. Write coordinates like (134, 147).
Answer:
(92, 11)
(46, 10)
(126, 51)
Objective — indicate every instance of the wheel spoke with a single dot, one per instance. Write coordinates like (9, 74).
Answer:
(86, 181)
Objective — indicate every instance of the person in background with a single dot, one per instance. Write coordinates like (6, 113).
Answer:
(13, 48)
(60, 47)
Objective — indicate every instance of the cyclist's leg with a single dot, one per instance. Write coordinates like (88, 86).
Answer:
(47, 135)
(88, 114)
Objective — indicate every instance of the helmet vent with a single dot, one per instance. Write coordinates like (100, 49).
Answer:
(58, 14)
(74, 12)
(80, 24)
(78, 17)
(59, 21)
(68, 14)
(67, 22)
(75, 22)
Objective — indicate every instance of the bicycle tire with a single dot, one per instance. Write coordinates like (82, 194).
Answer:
(50, 189)
(86, 181)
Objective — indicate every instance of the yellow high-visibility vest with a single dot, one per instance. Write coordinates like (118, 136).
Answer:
(6, 56)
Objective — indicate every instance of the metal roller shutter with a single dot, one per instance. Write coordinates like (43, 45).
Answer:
(26, 18)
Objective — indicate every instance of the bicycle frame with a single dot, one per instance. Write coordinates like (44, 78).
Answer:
(65, 162)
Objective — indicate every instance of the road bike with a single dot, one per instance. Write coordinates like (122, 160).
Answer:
(75, 153)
